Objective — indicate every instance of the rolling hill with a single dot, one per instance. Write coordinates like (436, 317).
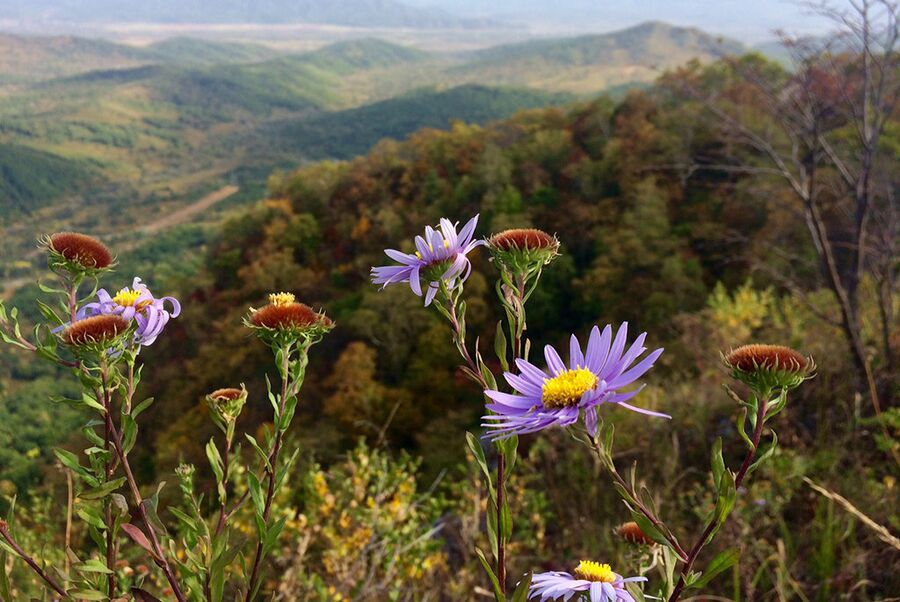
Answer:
(191, 51)
(346, 134)
(26, 59)
(594, 62)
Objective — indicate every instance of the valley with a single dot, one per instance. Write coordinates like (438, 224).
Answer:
(97, 135)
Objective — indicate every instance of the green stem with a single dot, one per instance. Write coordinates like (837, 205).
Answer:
(762, 406)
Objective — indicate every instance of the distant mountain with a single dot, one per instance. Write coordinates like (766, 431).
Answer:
(368, 13)
(27, 58)
(595, 62)
(346, 134)
(192, 51)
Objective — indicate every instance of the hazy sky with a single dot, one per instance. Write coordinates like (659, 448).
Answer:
(747, 20)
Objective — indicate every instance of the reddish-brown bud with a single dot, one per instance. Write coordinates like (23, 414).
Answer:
(96, 329)
(523, 238)
(751, 357)
(86, 251)
(632, 533)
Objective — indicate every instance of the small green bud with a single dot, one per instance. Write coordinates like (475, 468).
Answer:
(226, 404)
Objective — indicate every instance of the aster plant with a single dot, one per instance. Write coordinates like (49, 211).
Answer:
(289, 329)
(98, 338)
(571, 395)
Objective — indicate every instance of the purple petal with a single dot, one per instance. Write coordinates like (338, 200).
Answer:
(576, 358)
(554, 362)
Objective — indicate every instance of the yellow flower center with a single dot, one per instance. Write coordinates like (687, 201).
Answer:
(566, 389)
(281, 298)
(127, 297)
(594, 571)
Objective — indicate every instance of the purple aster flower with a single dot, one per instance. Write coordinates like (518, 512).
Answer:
(440, 256)
(592, 581)
(136, 303)
(560, 395)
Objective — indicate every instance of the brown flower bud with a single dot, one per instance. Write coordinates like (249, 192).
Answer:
(100, 329)
(81, 249)
(632, 533)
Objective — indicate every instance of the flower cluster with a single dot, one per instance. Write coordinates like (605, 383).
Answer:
(562, 394)
(135, 303)
(440, 257)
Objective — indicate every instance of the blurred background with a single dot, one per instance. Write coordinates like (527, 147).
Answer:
(719, 172)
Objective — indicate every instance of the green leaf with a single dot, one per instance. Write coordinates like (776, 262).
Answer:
(92, 566)
(765, 455)
(727, 495)
(129, 433)
(491, 520)
(103, 490)
(500, 346)
(521, 593)
(70, 461)
(722, 562)
(505, 520)
(139, 408)
(648, 528)
(91, 516)
(256, 493)
(498, 593)
(218, 467)
(90, 401)
(478, 452)
(718, 463)
(508, 448)
(259, 450)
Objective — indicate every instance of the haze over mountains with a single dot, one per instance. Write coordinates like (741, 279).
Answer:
(360, 13)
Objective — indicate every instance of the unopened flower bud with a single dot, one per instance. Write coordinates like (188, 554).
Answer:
(768, 367)
(97, 332)
(77, 253)
(523, 250)
(632, 533)
(226, 404)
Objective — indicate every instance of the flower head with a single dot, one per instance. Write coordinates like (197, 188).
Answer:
(560, 395)
(767, 367)
(136, 303)
(441, 256)
(523, 250)
(77, 253)
(632, 533)
(285, 320)
(97, 332)
(226, 404)
(595, 580)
